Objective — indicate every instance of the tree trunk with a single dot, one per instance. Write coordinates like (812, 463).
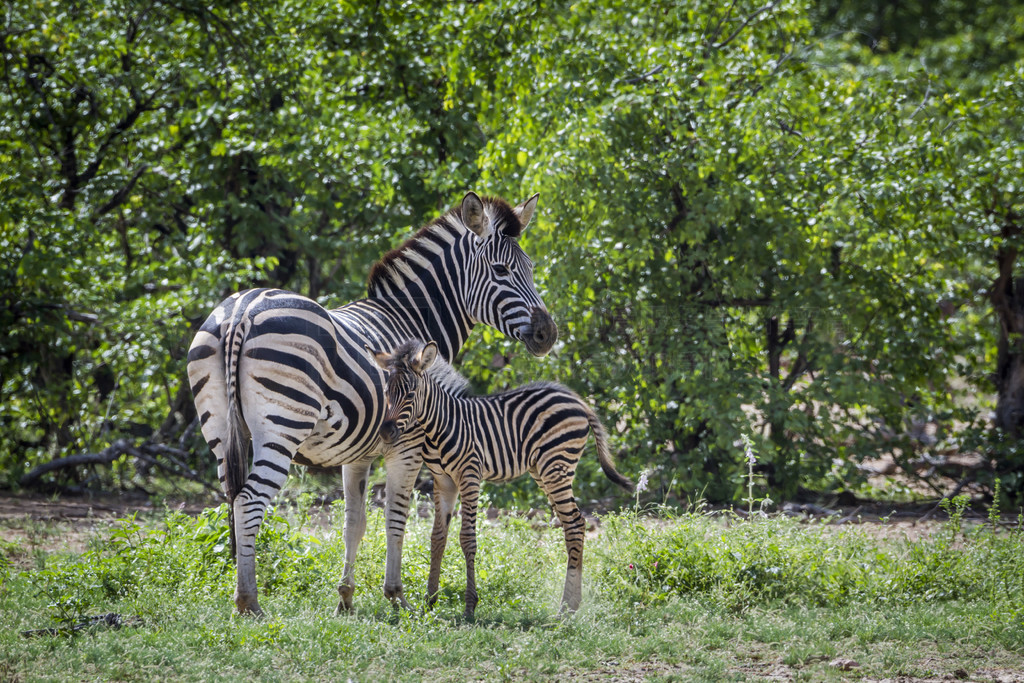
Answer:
(1008, 302)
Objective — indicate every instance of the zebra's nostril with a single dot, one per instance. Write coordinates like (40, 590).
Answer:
(389, 431)
(543, 332)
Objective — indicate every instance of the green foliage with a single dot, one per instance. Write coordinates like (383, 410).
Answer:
(778, 222)
(785, 220)
(740, 565)
(185, 560)
(156, 157)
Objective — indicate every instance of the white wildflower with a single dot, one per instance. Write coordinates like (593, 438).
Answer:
(641, 484)
(748, 450)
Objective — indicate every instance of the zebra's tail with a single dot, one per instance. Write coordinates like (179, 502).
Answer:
(237, 449)
(604, 454)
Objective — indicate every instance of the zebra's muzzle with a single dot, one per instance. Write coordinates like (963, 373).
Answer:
(543, 332)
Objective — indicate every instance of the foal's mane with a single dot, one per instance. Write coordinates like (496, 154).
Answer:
(450, 379)
(440, 371)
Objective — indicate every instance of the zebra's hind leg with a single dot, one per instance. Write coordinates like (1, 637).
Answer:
(469, 492)
(402, 469)
(354, 478)
(269, 471)
(444, 505)
(556, 483)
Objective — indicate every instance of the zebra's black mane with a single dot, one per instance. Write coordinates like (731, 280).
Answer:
(379, 271)
(502, 215)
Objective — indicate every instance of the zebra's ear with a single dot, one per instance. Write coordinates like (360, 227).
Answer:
(425, 358)
(382, 358)
(525, 210)
(472, 212)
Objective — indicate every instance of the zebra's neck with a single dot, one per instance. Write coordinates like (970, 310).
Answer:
(441, 413)
(422, 282)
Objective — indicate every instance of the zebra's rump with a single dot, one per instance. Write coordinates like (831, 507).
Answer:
(304, 382)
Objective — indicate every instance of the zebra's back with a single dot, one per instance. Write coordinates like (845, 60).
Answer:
(511, 432)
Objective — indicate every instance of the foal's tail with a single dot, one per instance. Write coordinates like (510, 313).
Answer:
(604, 454)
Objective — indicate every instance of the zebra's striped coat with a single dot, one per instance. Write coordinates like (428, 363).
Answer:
(539, 428)
(276, 368)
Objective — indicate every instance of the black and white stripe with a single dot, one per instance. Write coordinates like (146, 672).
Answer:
(539, 428)
(276, 370)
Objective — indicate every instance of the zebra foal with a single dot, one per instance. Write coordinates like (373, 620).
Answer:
(539, 428)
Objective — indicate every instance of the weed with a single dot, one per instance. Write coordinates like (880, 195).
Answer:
(750, 455)
(667, 595)
(955, 507)
(993, 511)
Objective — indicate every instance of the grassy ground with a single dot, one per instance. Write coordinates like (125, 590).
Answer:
(666, 597)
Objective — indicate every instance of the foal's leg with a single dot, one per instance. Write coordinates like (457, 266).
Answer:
(402, 468)
(555, 478)
(444, 506)
(469, 492)
(354, 477)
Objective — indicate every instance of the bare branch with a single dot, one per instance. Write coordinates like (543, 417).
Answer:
(121, 194)
(87, 318)
(644, 76)
(104, 457)
(176, 467)
(746, 22)
(721, 22)
(122, 126)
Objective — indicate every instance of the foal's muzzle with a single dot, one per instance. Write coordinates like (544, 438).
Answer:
(389, 432)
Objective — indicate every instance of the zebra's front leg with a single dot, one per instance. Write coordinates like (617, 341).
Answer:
(402, 469)
(557, 485)
(354, 478)
(469, 492)
(444, 505)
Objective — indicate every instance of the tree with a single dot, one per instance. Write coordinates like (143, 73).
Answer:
(161, 155)
(797, 221)
(761, 199)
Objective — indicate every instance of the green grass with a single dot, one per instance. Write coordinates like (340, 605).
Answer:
(667, 597)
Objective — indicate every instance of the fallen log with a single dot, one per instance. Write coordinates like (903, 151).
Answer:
(150, 453)
(104, 457)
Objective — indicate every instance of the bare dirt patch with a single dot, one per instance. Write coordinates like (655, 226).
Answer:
(66, 523)
(32, 523)
(43, 509)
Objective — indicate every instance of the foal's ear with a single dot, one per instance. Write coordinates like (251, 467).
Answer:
(382, 358)
(426, 356)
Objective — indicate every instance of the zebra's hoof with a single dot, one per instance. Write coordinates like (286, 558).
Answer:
(396, 596)
(345, 605)
(248, 608)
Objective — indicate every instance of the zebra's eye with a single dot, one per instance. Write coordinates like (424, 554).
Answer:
(500, 269)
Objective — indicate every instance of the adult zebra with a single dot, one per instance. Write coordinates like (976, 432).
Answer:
(275, 371)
